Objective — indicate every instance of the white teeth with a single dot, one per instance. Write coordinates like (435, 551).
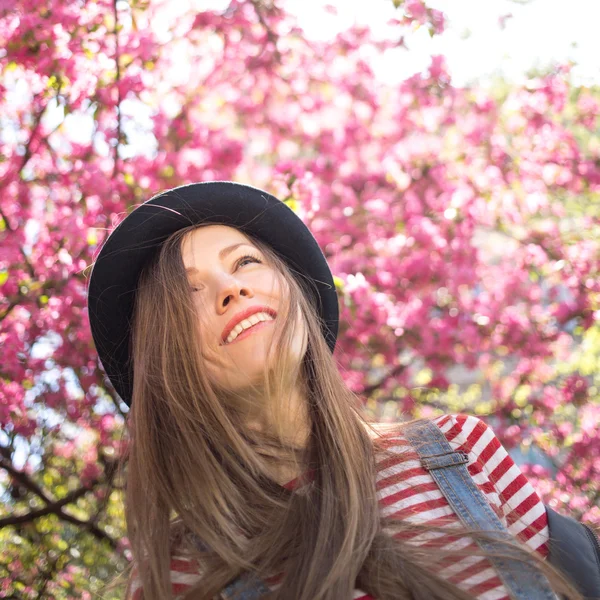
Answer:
(252, 320)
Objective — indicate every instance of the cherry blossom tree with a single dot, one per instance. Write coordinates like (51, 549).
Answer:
(462, 225)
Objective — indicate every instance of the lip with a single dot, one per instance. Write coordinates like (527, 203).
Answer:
(244, 314)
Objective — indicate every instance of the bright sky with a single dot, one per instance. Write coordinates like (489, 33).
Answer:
(538, 33)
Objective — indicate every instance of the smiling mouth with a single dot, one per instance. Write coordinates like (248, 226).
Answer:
(247, 332)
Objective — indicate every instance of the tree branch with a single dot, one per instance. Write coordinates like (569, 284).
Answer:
(26, 481)
(36, 125)
(56, 508)
(7, 311)
(271, 35)
(117, 81)
(50, 508)
(98, 533)
(368, 390)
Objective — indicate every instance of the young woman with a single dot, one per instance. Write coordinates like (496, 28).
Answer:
(249, 459)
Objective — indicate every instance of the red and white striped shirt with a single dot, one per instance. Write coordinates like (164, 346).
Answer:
(405, 489)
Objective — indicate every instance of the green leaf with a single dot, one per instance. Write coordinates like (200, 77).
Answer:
(424, 376)
(522, 395)
(167, 171)
(293, 204)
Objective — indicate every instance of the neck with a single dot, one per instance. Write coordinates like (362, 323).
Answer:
(287, 421)
(287, 418)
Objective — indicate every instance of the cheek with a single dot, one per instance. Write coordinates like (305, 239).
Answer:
(301, 334)
(207, 333)
(267, 285)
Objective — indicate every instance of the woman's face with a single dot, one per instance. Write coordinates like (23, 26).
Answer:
(228, 275)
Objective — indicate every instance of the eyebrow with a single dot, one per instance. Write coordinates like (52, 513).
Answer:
(222, 254)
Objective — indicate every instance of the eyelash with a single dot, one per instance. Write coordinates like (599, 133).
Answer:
(237, 265)
(255, 258)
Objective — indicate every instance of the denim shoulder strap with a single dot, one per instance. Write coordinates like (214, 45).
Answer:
(244, 587)
(449, 470)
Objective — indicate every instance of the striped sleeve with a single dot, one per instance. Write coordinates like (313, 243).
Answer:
(184, 573)
(492, 468)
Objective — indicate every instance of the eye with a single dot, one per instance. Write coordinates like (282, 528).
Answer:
(246, 257)
(240, 262)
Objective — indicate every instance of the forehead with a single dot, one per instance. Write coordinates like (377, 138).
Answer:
(207, 241)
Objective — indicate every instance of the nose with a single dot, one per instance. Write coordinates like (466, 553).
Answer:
(230, 289)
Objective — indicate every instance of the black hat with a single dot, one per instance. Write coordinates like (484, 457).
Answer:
(134, 241)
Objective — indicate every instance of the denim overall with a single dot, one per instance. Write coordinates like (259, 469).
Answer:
(448, 469)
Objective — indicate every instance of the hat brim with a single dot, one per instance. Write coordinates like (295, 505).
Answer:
(133, 242)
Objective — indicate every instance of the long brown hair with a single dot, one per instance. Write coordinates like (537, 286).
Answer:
(196, 472)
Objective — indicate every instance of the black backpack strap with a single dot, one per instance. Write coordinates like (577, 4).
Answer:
(575, 551)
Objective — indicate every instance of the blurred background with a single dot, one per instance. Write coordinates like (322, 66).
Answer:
(446, 156)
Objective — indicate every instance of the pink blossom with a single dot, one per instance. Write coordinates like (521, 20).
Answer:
(446, 216)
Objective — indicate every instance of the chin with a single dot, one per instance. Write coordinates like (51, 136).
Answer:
(244, 377)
